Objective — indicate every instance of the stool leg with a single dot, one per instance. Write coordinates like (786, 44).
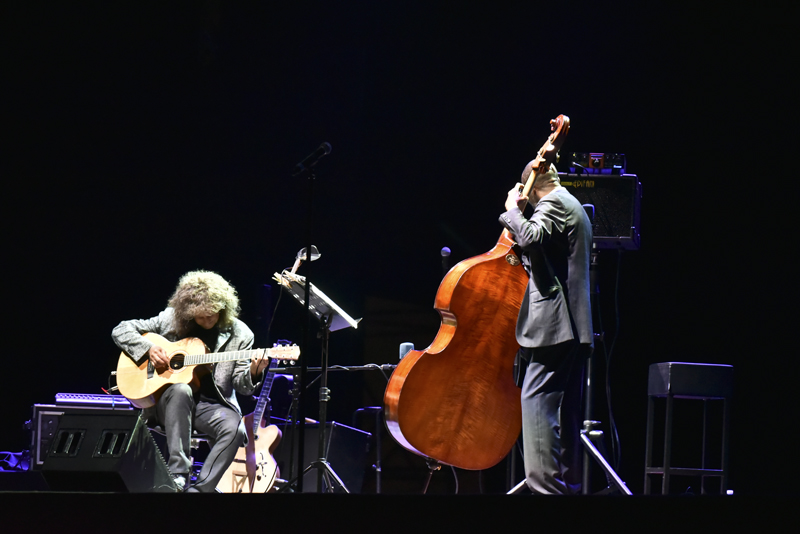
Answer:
(725, 435)
(703, 458)
(378, 451)
(648, 455)
(667, 447)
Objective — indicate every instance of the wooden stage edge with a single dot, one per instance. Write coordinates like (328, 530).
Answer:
(309, 513)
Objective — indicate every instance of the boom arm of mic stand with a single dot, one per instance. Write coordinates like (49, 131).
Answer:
(293, 370)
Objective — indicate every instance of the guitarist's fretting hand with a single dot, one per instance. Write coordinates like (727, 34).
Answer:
(258, 364)
(158, 356)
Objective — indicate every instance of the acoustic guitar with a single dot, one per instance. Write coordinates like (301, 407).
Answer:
(143, 383)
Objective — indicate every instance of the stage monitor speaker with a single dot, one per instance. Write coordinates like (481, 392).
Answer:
(617, 204)
(43, 426)
(106, 452)
(346, 451)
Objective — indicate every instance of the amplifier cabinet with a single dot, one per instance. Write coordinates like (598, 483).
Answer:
(110, 451)
(617, 206)
(44, 423)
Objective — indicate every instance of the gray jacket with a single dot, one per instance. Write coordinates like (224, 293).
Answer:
(228, 376)
(556, 243)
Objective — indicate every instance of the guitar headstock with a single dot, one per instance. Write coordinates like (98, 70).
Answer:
(284, 352)
(548, 154)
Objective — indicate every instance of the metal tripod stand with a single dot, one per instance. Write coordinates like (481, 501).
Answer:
(331, 318)
(590, 435)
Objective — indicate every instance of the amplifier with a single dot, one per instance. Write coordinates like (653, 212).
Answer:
(91, 399)
(617, 206)
(44, 423)
(110, 452)
(346, 451)
(597, 162)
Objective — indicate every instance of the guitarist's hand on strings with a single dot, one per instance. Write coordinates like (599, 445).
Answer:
(158, 356)
(258, 364)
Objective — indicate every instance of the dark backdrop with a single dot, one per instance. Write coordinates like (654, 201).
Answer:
(146, 139)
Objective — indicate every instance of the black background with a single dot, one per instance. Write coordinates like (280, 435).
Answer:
(146, 139)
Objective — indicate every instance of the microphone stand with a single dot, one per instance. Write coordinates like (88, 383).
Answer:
(589, 434)
(306, 167)
(309, 171)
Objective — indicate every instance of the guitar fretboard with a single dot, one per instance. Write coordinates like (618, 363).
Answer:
(216, 357)
(261, 405)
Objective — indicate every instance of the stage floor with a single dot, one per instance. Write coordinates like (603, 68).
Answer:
(27, 511)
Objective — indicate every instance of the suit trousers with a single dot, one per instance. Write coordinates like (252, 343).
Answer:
(552, 412)
(177, 411)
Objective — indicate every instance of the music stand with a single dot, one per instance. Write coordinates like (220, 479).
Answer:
(331, 318)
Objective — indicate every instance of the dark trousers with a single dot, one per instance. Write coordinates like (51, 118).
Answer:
(177, 411)
(552, 412)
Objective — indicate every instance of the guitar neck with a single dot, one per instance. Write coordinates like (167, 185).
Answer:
(216, 357)
(275, 353)
(261, 405)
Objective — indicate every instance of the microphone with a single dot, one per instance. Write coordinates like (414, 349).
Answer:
(312, 159)
(445, 259)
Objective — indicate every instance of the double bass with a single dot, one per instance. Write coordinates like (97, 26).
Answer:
(456, 401)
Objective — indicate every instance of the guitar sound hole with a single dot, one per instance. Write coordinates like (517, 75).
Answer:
(176, 362)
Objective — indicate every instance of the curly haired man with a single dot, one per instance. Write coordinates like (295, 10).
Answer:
(205, 306)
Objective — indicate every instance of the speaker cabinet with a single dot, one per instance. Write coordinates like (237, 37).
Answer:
(346, 451)
(44, 425)
(108, 451)
(617, 201)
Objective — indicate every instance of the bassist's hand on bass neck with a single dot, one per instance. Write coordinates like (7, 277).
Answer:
(522, 194)
(515, 198)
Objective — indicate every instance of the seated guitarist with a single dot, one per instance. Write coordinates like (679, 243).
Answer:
(205, 306)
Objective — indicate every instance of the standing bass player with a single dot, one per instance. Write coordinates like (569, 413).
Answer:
(554, 327)
(204, 306)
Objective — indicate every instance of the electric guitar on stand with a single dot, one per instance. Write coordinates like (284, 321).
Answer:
(254, 469)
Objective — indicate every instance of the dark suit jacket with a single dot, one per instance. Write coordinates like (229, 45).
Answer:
(556, 243)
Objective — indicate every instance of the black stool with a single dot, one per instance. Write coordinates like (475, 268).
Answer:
(687, 381)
